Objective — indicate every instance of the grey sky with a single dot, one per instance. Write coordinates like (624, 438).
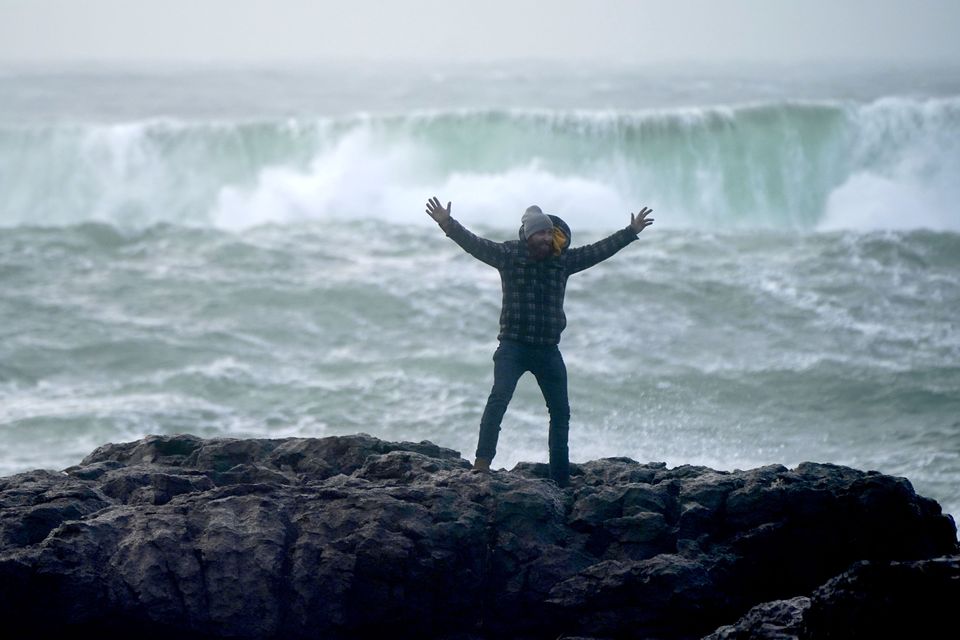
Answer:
(264, 31)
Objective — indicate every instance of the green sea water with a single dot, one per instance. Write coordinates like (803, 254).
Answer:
(255, 261)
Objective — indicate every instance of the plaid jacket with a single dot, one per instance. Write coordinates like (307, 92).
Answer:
(532, 308)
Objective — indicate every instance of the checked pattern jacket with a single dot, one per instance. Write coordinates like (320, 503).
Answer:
(532, 307)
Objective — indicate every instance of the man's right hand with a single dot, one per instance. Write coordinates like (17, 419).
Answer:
(436, 211)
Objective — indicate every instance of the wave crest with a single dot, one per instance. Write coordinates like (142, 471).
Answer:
(783, 165)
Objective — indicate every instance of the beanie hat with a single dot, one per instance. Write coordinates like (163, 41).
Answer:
(535, 220)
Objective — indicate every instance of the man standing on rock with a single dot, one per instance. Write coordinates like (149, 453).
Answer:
(533, 274)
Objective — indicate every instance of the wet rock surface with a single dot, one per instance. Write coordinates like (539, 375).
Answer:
(351, 536)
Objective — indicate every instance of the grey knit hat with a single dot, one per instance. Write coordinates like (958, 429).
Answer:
(535, 220)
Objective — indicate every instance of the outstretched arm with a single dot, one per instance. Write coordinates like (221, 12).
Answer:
(492, 253)
(585, 257)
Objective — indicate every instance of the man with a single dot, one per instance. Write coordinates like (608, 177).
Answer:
(533, 274)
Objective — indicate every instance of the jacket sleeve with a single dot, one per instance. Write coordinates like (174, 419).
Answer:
(492, 253)
(584, 257)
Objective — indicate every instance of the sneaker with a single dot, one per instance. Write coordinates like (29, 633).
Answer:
(481, 465)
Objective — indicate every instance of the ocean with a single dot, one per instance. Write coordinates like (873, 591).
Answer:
(245, 253)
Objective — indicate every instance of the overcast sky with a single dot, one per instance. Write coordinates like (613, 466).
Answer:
(267, 31)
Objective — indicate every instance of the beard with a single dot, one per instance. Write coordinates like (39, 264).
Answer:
(539, 251)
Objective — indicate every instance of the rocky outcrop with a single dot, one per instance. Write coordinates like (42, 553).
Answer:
(349, 537)
(873, 599)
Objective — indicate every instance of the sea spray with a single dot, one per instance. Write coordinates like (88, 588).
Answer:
(779, 165)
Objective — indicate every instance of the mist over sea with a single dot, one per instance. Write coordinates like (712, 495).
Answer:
(231, 252)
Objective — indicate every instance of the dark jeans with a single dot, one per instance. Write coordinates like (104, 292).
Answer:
(511, 360)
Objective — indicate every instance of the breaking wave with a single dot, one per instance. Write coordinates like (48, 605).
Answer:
(887, 164)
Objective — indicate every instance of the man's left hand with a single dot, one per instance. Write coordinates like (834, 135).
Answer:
(641, 221)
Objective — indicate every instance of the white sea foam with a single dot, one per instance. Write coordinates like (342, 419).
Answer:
(361, 178)
(868, 201)
(784, 165)
(356, 178)
(906, 159)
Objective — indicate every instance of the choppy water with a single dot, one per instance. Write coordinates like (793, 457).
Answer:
(179, 259)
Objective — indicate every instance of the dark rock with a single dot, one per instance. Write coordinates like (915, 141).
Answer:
(777, 620)
(884, 599)
(873, 599)
(133, 486)
(352, 536)
(35, 503)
